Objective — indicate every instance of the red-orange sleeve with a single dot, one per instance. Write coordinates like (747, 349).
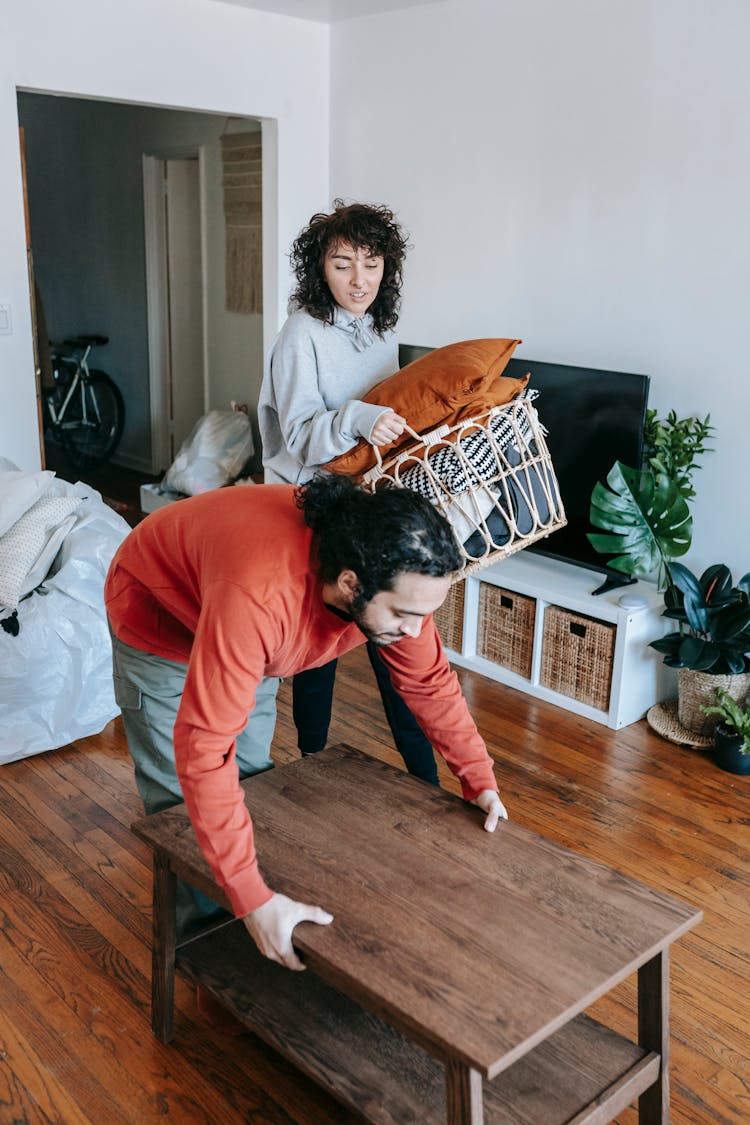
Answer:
(422, 676)
(235, 637)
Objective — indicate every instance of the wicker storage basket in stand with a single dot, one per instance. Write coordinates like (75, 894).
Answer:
(505, 628)
(449, 619)
(578, 656)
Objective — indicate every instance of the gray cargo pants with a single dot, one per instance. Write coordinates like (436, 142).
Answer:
(148, 690)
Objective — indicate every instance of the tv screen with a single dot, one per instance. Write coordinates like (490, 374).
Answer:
(593, 419)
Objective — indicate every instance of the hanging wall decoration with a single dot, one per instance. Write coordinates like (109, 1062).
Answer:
(242, 167)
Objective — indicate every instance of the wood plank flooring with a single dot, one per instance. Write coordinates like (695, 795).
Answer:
(75, 1041)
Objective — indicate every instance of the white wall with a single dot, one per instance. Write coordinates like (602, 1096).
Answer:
(576, 173)
(186, 54)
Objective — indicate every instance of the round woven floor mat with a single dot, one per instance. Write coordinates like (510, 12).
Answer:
(662, 718)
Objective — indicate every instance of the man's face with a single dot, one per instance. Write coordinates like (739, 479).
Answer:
(394, 614)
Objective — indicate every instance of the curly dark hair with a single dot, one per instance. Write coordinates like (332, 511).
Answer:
(378, 535)
(364, 226)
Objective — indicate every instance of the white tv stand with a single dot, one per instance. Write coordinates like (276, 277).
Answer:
(557, 595)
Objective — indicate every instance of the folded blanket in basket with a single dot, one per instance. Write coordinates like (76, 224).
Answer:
(457, 473)
(522, 504)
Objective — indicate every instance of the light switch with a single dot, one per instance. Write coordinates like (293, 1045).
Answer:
(6, 326)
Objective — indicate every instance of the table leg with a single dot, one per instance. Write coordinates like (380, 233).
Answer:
(653, 1035)
(463, 1094)
(163, 952)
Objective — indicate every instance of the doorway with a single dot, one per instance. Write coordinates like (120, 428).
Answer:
(85, 168)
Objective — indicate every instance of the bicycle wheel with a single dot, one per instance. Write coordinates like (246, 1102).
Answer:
(93, 422)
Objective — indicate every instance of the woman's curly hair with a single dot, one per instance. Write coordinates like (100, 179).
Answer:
(364, 226)
(378, 535)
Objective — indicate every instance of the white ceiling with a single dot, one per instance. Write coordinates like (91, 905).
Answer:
(328, 11)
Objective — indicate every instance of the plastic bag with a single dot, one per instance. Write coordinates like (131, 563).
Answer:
(213, 455)
(56, 673)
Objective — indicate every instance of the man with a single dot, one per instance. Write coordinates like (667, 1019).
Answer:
(212, 597)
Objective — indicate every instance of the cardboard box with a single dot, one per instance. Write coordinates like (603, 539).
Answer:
(153, 496)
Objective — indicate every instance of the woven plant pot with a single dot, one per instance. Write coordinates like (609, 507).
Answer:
(694, 689)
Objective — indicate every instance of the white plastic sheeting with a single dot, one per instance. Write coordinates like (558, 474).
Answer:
(213, 454)
(56, 674)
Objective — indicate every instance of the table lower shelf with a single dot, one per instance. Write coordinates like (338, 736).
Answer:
(583, 1074)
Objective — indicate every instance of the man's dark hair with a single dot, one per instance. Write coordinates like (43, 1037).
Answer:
(378, 535)
(364, 226)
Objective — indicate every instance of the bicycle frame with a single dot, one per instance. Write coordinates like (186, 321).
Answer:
(83, 408)
(80, 373)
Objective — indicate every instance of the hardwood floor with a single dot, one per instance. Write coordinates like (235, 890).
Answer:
(75, 1039)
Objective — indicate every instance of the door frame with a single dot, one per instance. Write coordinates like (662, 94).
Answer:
(157, 310)
(33, 304)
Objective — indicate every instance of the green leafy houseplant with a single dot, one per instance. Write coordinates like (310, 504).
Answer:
(733, 717)
(732, 732)
(644, 512)
(714, 621)
(673, 445)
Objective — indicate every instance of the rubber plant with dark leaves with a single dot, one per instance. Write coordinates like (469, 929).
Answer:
(714, 621)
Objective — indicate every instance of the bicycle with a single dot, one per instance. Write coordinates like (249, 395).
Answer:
(84, 409)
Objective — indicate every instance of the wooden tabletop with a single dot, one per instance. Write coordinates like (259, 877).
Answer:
(478, 945)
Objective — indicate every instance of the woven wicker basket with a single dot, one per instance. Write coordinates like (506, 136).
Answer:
(577, 656)
(697, 688)
(449, 619)
(497, 502)
(505, 628)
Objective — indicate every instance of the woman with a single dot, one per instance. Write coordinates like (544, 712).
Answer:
(338, 341)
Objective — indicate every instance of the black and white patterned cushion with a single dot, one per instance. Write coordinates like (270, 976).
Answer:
(452, 470)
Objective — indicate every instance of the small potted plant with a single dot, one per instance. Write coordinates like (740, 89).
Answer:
(673, 445)
(732, 733)
(711, 647)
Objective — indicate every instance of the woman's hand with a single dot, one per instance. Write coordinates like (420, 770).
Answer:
(388, 427)
(490, 803)
(271, 925)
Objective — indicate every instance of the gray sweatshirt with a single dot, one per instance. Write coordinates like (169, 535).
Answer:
(310, 408)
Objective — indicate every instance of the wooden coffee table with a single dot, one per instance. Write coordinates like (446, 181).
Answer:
(453, 981)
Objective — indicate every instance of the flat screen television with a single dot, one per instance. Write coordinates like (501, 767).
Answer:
(593, 418)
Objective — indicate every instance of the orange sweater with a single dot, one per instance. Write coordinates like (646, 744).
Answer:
(225, 583)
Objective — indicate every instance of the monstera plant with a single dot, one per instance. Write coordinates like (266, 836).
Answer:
(644, 512)
(645, 522)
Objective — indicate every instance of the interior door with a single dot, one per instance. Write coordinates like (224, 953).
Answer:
(185, 297)
(175, 301)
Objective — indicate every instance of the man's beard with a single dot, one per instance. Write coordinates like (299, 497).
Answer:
(357, 612)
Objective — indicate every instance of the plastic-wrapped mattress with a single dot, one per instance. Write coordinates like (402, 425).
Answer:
(56, 671)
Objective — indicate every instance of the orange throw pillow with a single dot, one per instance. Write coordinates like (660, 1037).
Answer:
(440, 388)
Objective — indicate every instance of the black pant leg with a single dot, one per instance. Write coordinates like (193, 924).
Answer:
(411, 741)
(312, 700)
